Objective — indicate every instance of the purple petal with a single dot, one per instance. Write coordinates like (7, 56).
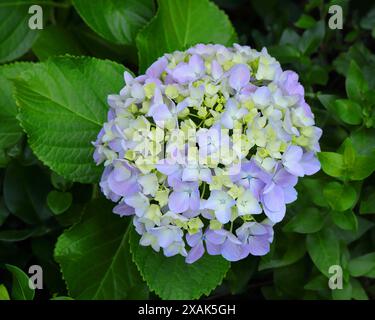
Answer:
(157, 68)
(259, 246)
(216, 236)
(195, 253)
(239, 76)
(179, 201)
(310, 163)
(213, 249)
(195, 200)
(193, 239)
(273, 199)
(233, 251)
(123, 209)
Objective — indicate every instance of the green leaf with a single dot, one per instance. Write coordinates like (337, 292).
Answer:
(4, 295)
(358, 293)
(339, 196)
(314, 189)
(355, 84)
(289, 280)
(16, 38)
(10, 130)
(180, 24)
(116, 21)
(368, 202)
(332, 163)
(20, 284)
(240, 273)
(59, 202)
(25, 193)
(368, 21)
(17, 235)
(349, 111)
(317, 283)
(95, 258)
(312, 38)
(308, 221)
(284, 53)
(324, 249)
(362, 265)
(286, 249)
(350, 236)
(305, 22)
(343, 294)
(345, 220)
(172, 277)
(55, 40)
(62, 109)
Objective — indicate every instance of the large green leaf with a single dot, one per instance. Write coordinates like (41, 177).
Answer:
(324, 249)
(95, 258)
(20, 284)
(10, 130)
(62, 108)
(116, 21)
(173, 278)
(16, 38)
(180, 24)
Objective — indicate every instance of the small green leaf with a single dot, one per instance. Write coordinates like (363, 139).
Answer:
(305, 22)
(116, 21)
(348, 237)
(358, 293)
(339, 196)
(308, 221)
(286, 249)
(355, 84)
(324, 249)
(349, 111)
(59, 202)
(332, 163)
(312, 38)
(172, 277)
(314, 188)
(4, 295)
(368, 202)
(320, 282)
(179, 24)
(345, 220)
(362, 265)
(20, 284)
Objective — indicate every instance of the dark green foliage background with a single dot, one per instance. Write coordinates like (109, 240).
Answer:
(53, 104)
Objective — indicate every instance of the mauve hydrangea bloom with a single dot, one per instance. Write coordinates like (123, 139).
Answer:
(205, 149)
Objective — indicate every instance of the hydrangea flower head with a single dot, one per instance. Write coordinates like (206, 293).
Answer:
(204, 150)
